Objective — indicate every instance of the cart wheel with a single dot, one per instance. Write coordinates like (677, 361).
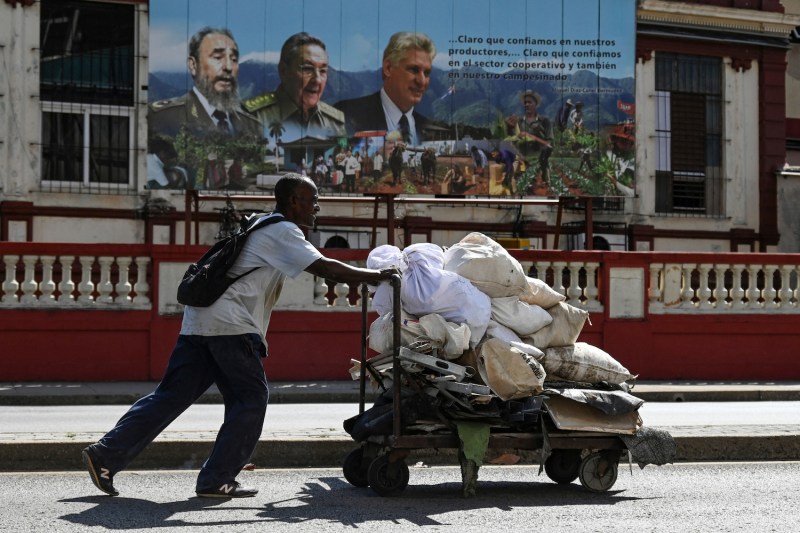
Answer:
(598, 471)
(355, 471)
(388, 479)
(563, 466)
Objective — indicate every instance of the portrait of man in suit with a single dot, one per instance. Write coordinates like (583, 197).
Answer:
(406, 72)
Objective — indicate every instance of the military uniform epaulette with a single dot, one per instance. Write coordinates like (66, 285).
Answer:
(257, 102)
(166, 104)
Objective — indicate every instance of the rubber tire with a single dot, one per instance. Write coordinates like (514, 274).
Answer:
(598, 471)
(563, 466)
(388, 479)
(355, 472)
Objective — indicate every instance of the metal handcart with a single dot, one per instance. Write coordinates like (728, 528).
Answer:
(566, 454)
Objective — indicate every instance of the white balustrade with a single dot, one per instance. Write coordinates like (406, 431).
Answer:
(580, 278)
(34, 285)
(107, 282)
(740, 293)
(10, 285)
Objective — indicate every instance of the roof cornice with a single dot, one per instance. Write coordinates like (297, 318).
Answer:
(732, 20)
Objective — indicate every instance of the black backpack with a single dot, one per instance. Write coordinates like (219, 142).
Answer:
(206, 280)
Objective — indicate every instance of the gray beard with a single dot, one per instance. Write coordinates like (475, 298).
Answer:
(228, 102)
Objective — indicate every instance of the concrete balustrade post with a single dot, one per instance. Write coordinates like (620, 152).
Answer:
(720, 291)
(86, 286)
(753, 293)
(737, 292)
(141, 287)
(770, 293)
(591, 292)
(66, 286)
(704, 292)
(124, 286)
(574, 292)
(105, 288)
(687, 292)
(10, 285)
(29, 284)
(47, 287)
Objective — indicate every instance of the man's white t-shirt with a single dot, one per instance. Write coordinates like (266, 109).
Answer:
(277, 251)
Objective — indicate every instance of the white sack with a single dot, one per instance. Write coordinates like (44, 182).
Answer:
(428, 289)
(522, 318)
(511, 373)
(567, 324)
(384, 256)
(540, 293)
(487, 265)
(499, 331)
(380, 332)
(451, 339)
(584, 362)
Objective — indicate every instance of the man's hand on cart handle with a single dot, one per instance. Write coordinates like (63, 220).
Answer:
(386, 274)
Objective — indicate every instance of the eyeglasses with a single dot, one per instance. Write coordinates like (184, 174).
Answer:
(309, 71)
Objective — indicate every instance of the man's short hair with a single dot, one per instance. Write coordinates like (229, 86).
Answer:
(402, 41)
(293, 43)
(197, 39)
(285, 187)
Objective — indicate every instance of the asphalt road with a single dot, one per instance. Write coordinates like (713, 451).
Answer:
(326, 419)
(689, 497)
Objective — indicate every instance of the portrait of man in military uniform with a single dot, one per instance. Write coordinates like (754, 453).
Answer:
(210, 114)
(296, 105)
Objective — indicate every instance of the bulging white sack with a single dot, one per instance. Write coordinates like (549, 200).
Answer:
(567, 324)
(427, 289)
(540, 293)
(522, 318)
(381, 333)
(487, 265)
(384, 256)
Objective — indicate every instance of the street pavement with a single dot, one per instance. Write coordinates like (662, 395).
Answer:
(44, 426)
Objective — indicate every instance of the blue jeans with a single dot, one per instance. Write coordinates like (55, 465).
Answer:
(233, 362)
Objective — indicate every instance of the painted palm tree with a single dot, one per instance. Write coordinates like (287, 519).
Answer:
(275, 130)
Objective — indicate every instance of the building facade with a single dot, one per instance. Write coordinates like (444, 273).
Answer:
(712, 81)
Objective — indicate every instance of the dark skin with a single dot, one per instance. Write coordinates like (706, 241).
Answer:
(302, 208)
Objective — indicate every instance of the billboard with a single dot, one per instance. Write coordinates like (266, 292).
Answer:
(444, 97)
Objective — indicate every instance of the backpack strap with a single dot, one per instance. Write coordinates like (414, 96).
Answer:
(255, 222)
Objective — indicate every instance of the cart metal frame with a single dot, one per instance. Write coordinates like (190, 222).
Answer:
(380, 461)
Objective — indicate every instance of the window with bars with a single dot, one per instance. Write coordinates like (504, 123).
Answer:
(689, 134)
(87, 95)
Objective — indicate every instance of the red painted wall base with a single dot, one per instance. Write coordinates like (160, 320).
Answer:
(306, 346)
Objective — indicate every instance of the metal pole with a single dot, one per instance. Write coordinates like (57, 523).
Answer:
(396, 316)
(362, 386)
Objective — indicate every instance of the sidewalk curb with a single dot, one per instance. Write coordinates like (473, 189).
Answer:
(348, 392)
(330, 452)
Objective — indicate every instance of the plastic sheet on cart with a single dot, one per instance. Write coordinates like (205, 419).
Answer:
(575, 416)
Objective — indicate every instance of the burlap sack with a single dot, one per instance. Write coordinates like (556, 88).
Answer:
(540, 293)
(509, 371)
(487, 265)
(583, 362)
(567, 324)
